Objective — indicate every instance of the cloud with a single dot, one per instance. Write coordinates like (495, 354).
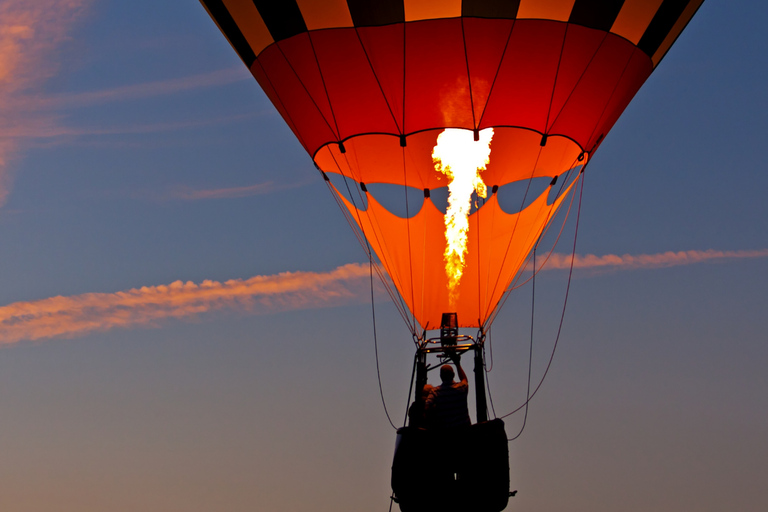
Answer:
(78, 315)
(143, 90)
(30, 32)
(67, 317)
(44, 128)
(666, 259)
(189, 194)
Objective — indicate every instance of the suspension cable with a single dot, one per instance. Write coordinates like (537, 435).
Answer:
(376, 346)
(410, 389)
(530, 347)
(487, 378)
(565, 302)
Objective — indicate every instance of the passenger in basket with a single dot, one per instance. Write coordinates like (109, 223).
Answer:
(446, 405)
(416, 413)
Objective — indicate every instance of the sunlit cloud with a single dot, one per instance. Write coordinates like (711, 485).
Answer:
(30, 32)
(142, 90)
(189, 194)
(43, 129)
(666, 259)
(148, 306)
(67, 317)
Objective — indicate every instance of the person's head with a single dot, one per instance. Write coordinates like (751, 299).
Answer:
(426, 391)
(446, 373)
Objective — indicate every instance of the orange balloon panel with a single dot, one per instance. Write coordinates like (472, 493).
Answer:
(411, 250)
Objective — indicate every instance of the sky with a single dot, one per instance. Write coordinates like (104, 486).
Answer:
(186, 318)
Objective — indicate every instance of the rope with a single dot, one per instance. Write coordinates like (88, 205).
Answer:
(304, 86)
(488, 369)
(487, 379)
(378, 82)
(530, 347)
(394, 295)
(554, 84)
(469, 78)
(498, 68)
(516, 282)
(410, 390)
(376, 346)
(565, 303)
(487, 313)
(357, 230)
(410, 252)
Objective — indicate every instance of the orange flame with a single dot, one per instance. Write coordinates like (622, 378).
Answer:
(461, 158)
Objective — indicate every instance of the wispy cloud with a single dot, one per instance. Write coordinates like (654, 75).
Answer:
(68, 317)
(141, 90)
(30, 32)
(666, 259)
(268, 187)
(44, 128)
(187, 193)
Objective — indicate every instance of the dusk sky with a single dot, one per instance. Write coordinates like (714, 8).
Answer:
(186, 319)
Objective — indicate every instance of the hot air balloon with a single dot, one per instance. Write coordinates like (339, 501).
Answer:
(472, 96)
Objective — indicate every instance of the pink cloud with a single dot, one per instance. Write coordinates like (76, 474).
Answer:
(44, 128)
(67, 317)
(189, 194)
(78, 315)
(666, 259)
(143, 90)
(30, 32)
(268, 187)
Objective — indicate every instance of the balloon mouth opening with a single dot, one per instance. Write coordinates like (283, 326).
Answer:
(399, 172)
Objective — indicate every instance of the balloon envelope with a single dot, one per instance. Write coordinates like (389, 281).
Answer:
(368, 86)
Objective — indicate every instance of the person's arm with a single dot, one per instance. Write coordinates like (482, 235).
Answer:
(459, 369)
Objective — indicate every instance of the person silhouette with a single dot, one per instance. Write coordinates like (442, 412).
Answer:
(446, 405)
(416, 412)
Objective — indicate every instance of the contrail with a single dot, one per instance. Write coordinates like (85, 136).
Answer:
(144, 90)
(665, 259)
(188, 194)
(67, 317)
(77, 315)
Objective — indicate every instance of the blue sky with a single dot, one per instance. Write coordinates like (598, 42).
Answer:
(137, 151)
